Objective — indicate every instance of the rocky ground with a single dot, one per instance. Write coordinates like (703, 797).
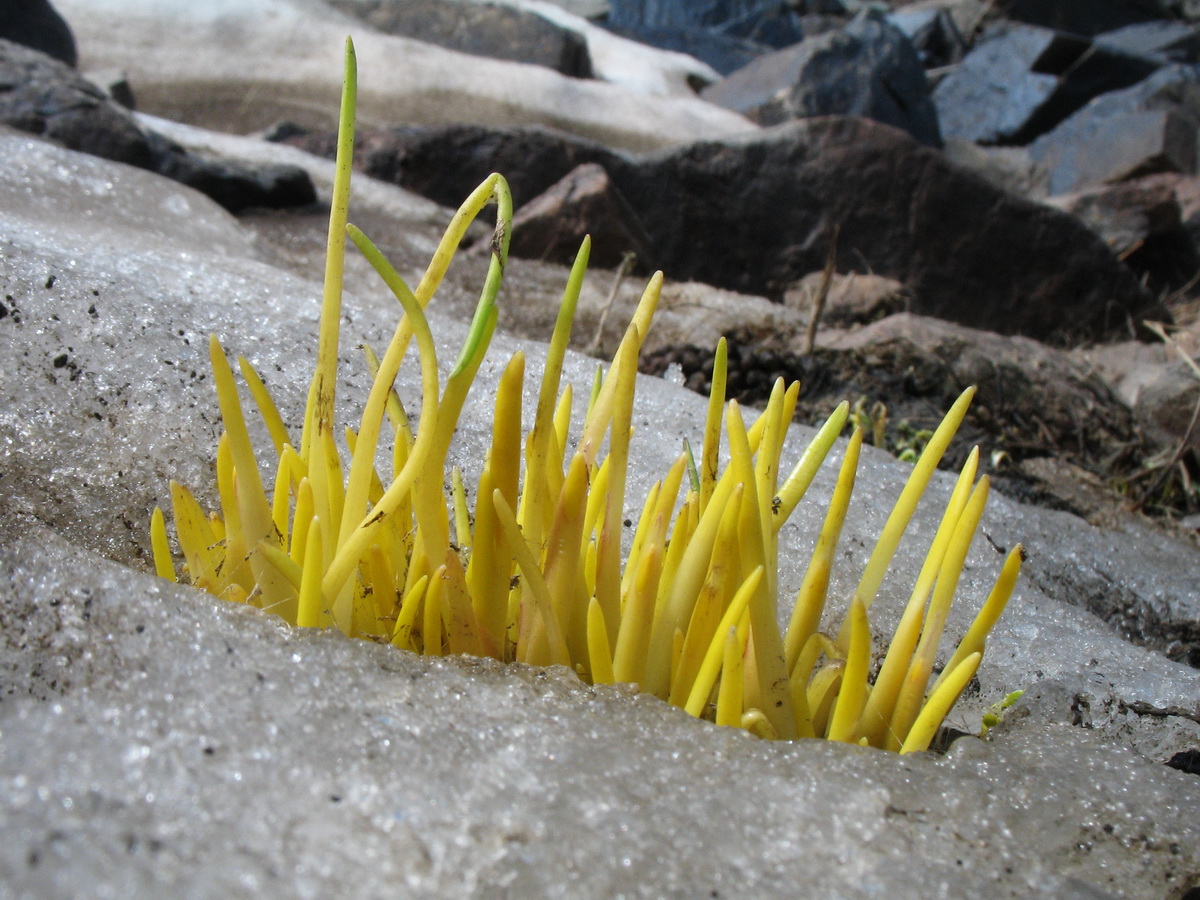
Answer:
(888, 239)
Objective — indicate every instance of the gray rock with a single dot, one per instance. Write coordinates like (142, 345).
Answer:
(1020, 81)
(1150, 127)
(481, 29)
(868, 69)
(1011, 169)
(1163, 42)
(996, 90)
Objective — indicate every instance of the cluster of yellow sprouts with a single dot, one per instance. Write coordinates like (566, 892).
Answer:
(534, 573)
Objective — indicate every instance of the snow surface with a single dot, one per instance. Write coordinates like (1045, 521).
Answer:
(155, 741)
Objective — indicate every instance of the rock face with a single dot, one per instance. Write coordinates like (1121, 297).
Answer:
(1167, 407)
(158, 742)
(868, 69)
(36, 24)
(495, 31)
(1062, 402)
(45, 97)
(850, 299)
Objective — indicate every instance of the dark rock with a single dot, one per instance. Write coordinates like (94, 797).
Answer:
(1163, 42)
(481, 29)
(870, 69)
(933, 34)
(45, 97)
(446, 162)
(1021, 81)
(285, 130)
(724, 51)
(726, 34)
(233, 185)
(1084, 17)
(1150, 127)
(1141, 221)
(1098, 70)
(115, 85)
(1188, 10)
(751, 214)
(1186, 761)
(585, 201)
(770, 22)
(37, 24)
(1187, 192)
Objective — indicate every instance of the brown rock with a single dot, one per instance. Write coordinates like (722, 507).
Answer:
(1125, 215)
(752, 214)
(1141, 221)
(585, 201)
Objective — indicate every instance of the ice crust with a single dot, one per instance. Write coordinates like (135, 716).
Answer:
(154, 741)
